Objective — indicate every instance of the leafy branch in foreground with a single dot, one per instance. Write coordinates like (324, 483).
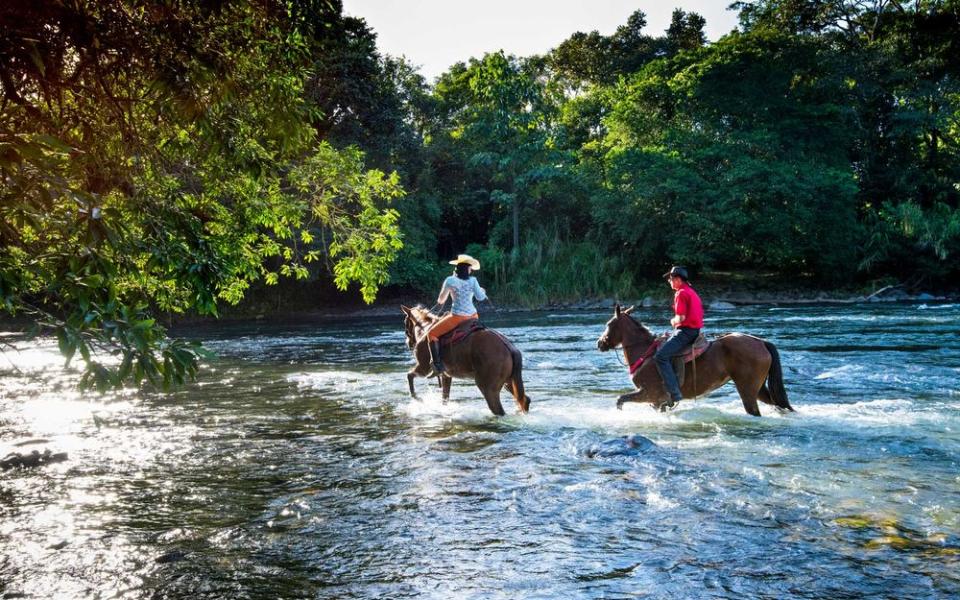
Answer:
(162, 164)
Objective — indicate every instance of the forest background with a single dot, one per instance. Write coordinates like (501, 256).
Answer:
(175, 158)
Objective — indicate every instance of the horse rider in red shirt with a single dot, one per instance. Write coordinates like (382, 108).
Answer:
(687, 322)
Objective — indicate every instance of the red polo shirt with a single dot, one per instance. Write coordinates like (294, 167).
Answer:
(687, 302)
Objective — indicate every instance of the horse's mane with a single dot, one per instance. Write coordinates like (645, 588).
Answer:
(641, 327)
(423, 314)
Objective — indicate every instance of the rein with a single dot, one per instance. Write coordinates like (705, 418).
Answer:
(647, 354)
(639, 362)
(621, 361)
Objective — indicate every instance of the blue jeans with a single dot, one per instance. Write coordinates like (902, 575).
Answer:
(679, 340)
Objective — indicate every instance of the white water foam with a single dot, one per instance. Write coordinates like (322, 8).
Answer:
(841, 371)
(431, 408)
(893, 413)
(340, 381)
(936, 306)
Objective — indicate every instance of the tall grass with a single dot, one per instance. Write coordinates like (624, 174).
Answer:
(550, 268)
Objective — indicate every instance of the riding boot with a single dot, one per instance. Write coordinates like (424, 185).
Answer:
(435, 357)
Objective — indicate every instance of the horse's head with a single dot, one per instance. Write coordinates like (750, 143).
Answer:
(418, 319)
(623, 330)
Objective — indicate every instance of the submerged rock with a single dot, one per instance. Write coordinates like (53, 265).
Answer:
(17, 460)
(628, 445)
(171, 557)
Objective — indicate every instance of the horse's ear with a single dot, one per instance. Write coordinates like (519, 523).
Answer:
(629, 310)
(616, 309)
(405, 309)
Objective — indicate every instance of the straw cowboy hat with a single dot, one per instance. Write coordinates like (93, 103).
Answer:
(466, 258)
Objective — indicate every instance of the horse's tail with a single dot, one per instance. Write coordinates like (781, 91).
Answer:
(515, 382)
(775, 379)
(516, 373)
(516, 379)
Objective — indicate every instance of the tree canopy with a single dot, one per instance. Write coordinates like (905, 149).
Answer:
(160, 157)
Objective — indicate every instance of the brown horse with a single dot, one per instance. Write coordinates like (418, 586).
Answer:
(753, 365)
(486, 356)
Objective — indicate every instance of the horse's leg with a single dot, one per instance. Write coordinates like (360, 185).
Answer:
(746, 362)
(514, 384)
(511, 388)
(749, 388)
(491, 393)
(631, 397)
(445, 381)
(767, 397)
(764, 395)
(411, 374)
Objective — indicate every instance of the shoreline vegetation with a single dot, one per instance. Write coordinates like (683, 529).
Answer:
(716, 297)
(714, 301)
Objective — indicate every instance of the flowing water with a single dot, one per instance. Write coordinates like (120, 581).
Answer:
(298, 467)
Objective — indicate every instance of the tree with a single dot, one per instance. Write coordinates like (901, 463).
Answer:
(732, 156)
(685, 32)
(592, 58)
(153, 158)
(497, 117)
(903, 69)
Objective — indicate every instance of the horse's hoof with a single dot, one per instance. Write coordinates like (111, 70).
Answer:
(667, 406)
(619, 405)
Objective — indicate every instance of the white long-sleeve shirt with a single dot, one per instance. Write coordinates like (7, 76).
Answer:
(463, 292)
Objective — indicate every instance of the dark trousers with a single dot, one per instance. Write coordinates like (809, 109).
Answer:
(679, 340)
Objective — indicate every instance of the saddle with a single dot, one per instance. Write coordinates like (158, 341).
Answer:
(699, 346)
(679, 362)
(460, 333)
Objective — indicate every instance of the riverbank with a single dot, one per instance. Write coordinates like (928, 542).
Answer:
(719, 291)
(714, 297)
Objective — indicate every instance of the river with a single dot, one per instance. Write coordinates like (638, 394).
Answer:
(298, 467)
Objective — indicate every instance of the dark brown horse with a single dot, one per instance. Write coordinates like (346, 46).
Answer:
(485, 356)
(753, 365)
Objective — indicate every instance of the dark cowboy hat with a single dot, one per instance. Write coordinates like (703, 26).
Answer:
(680, 272)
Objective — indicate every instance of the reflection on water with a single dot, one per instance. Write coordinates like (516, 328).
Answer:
(298, 467)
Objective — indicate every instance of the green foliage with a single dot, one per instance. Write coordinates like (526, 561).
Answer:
(364, 239)
(821, 136)
(708, 172)
(594, 59)
(550, 267)
(162, 161)
(496, 127)
(912, 242)
(900, 62)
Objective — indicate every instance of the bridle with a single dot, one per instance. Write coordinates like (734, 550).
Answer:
(420, 328)
(628, 346)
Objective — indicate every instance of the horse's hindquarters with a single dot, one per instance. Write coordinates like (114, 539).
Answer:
(489, 360)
